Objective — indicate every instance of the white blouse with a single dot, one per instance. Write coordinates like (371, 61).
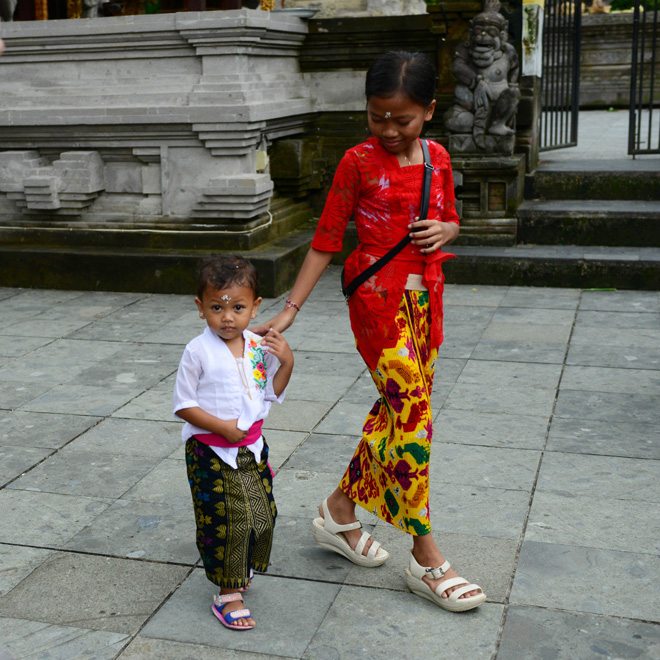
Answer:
(211, 378)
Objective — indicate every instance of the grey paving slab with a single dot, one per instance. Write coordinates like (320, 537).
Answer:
(621, 301)
(602, 522)
(343, 633)
(23, 639)
(617, 339)
(600, 476)
(530, 634)
(459, 339)
(87, 473)
(604, 379)
(97, 400)
(472, 427)
(306, 387)
(147, 365)
(324, 453)
(607, 406)
(510, 400)
(469, 315)
(292, 416)
(282, 630)
(329, 364)
(166, 484)
(489, 512)
(541, 297)
(16, 563)
(363, 391)
(47, 325)
(154, 404)
(529, 333)
(298, 493)
(23, 429)
(17, 393)
(59, 361)
(296, 555)
(466, 294)
(628, 357)
(453, 464)
(120, 330)
(14, 462)
(525, 350)
(131, 437)
(282, 444)
(343, 419)
(619, 320)
(53, 519)
(635, 440)
(143, 647)
(97, 593)
(141, 530)
(587, 580)
(534, 316)
(502, 375)
(13, 346)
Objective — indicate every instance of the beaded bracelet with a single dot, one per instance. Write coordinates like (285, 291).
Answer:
(290, 303)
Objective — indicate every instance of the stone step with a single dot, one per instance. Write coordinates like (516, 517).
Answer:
(557, 266)
(596, 179)
(151, 270)
(590, 222)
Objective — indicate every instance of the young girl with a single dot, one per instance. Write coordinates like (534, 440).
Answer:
(227, 380)
(396, 317)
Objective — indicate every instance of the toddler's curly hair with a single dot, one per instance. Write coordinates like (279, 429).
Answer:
(222, 271)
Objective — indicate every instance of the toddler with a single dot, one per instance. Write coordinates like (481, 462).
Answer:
(227, 380)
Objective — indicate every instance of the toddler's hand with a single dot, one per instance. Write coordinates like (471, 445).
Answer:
(235, 434)
(277, 345)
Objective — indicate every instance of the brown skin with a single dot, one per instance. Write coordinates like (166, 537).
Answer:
(228, 312)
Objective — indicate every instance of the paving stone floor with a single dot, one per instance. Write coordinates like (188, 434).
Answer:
(545, 484)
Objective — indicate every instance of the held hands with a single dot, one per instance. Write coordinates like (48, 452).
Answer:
(277, 346)
(430, 235)
(278, 323)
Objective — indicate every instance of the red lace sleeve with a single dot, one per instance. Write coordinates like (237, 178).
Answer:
(448, 195)
(339, 206)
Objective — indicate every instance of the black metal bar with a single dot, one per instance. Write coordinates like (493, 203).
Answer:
(561, 75)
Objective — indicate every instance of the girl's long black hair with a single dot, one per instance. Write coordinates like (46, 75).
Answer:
(410, 74)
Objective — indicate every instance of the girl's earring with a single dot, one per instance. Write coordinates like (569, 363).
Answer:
(201, 316)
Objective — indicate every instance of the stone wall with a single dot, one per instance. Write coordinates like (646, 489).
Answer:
(605, 61)
(148, 121)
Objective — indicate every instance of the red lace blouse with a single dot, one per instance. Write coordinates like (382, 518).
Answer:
(385, 198)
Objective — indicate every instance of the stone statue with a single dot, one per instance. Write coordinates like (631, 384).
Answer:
(486, 94)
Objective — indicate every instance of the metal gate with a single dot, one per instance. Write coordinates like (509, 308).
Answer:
(560, 83)
(644, 122)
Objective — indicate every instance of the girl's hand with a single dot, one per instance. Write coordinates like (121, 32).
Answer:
(430, 235)
(278, 323)
(278, 346)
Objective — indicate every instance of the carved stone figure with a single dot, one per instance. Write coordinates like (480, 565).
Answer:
(486, 94)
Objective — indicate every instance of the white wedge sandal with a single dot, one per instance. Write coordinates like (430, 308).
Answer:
(327, 533)
(454, 602)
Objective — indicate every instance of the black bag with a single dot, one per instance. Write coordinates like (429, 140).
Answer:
(349, 289)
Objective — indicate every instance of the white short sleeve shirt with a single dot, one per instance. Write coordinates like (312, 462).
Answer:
(211, 378)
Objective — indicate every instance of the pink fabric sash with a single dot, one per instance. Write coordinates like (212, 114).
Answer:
(216, 440)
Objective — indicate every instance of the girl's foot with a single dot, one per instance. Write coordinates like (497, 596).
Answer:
(233, 606)
(342, 511)
(426, 553)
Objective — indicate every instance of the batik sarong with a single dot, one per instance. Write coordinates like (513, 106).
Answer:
(234, 510)
(389, 472)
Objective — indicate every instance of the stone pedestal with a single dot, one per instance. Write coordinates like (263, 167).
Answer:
(489, 190)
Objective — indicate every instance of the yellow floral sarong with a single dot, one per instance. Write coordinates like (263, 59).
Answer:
(389, 472)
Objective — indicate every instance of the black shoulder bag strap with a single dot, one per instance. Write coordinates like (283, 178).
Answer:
(377, 265)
